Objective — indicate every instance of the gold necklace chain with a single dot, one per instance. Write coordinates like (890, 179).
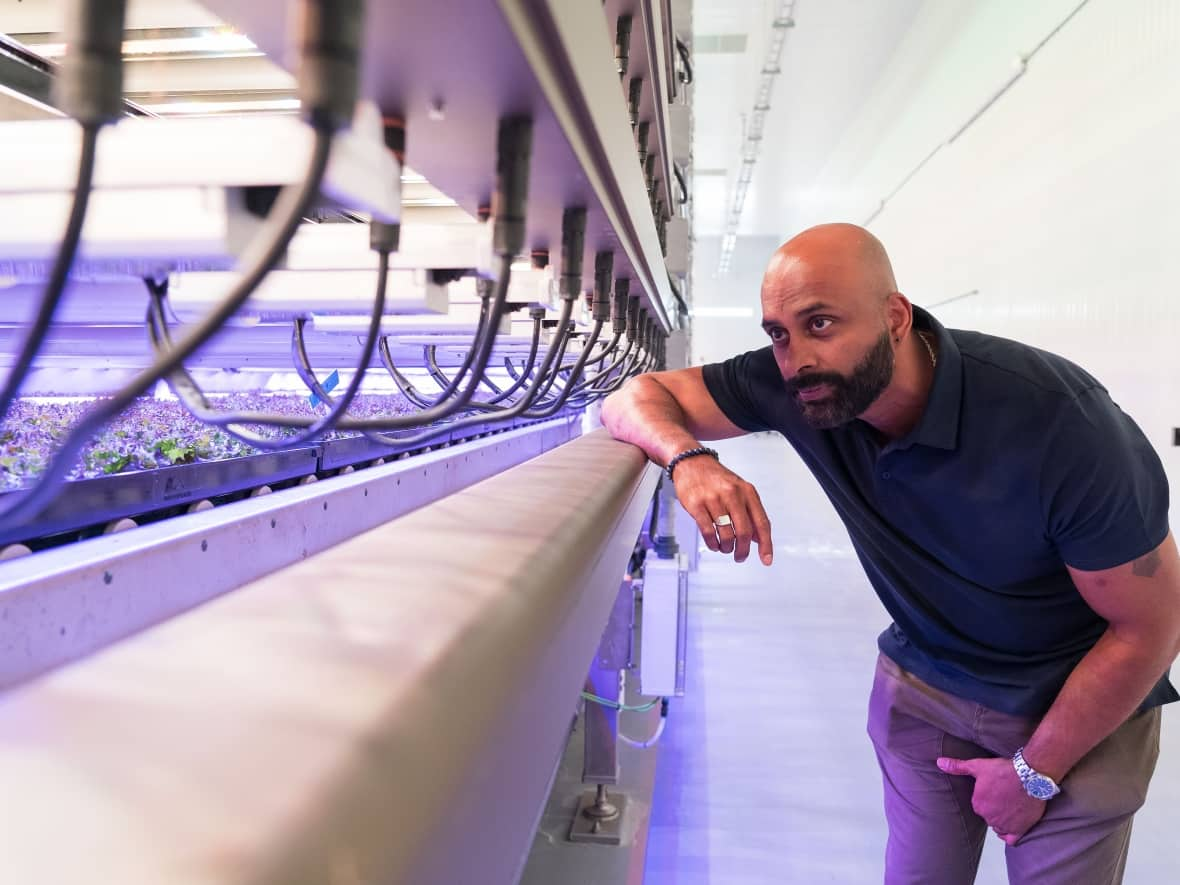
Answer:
(929, 350)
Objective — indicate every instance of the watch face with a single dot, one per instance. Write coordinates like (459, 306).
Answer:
(1040, 787)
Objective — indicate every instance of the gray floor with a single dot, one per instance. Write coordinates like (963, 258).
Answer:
(765, 773)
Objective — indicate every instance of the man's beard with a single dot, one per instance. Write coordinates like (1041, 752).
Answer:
(847, 397)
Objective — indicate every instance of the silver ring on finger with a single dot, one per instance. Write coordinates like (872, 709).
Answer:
(723, 520)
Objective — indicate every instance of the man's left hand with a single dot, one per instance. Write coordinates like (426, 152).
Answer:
(999, 797)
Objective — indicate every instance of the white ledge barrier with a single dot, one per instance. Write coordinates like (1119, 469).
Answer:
(390, 710)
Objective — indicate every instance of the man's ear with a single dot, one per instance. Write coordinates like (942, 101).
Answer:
(899, 315)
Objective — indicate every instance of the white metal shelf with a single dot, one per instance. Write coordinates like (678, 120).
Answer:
(451, 69)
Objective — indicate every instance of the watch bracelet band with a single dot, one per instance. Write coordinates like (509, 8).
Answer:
(689, 453)
(1027, 773)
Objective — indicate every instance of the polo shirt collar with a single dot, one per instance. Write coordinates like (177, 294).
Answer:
(939, 425)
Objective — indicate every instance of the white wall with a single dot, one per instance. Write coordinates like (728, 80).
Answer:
(718, 338)
(1060, 205)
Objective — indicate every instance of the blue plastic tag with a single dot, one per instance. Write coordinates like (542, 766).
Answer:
(329, 385)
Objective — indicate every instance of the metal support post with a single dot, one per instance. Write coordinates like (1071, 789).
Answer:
(596, 819)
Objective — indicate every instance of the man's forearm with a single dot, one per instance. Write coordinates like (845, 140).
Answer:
(1102, 692)
(646, 414)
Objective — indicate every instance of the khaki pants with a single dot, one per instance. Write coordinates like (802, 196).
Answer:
(935, 838)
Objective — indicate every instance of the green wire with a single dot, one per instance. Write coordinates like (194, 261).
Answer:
(615, 705)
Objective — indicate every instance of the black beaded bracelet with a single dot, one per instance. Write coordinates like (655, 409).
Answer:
(690, 453)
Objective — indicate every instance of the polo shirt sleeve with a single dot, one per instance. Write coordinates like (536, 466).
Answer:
(1103, 489)
(743, 388)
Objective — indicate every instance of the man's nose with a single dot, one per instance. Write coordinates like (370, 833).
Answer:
(797, 361)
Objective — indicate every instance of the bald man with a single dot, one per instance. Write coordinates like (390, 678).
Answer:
(1012, 520)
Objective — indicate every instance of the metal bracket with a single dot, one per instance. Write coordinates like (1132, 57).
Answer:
(601, 760)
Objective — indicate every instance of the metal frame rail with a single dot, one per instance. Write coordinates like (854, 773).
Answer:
(67, 602)
(388, 711)
(26, 74)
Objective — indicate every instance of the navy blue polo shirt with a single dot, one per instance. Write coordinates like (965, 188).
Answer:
(1020, 464)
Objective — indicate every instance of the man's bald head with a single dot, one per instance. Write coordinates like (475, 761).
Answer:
(841, 260)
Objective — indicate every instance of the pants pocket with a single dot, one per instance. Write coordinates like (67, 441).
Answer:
(1112, 779)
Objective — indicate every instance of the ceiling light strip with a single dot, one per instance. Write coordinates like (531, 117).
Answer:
(784, 20)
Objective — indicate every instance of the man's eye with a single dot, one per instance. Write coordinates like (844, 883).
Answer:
(821, 324)
(777, 335)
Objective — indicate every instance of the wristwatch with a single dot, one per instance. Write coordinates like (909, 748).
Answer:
(1039, 786)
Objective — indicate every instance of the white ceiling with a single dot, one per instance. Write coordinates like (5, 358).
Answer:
(47, 15)
(172, 75)
(834, 57)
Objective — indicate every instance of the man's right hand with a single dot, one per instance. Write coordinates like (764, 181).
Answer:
(708, 491)
(666, 413)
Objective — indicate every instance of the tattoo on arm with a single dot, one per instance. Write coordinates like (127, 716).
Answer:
(1145, 566)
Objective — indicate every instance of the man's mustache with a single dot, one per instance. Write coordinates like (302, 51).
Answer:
(800, 382)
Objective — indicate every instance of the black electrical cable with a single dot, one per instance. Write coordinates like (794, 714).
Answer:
(601, 374)
(649, 348)
(679, 173)
(261, 255)
(430, 360)
(528, 371)
(512, 371)
(195, 401)
(619, 311)
(59, 275)
(655, 510)
(686, 58)
(519, 379)
(518, 408)
(491, 385)
(634, 367)
(408, 390)
(440, 378)
(394, 422)
(303, 363)
(329, 66)
(572, 381)
(509, 200)
(608, 350)
(546, 372)
(575, 374)
(430, 352)
(545, 383)
(677, 295)
(573, 238)
(628, 316)
(448, 386)
(545, 375)
(604, 384)
(560, 373)
(534, 347)
(623, 364)
(89, 88)
(483, 349)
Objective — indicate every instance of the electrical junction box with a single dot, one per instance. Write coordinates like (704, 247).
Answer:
(664, 629)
